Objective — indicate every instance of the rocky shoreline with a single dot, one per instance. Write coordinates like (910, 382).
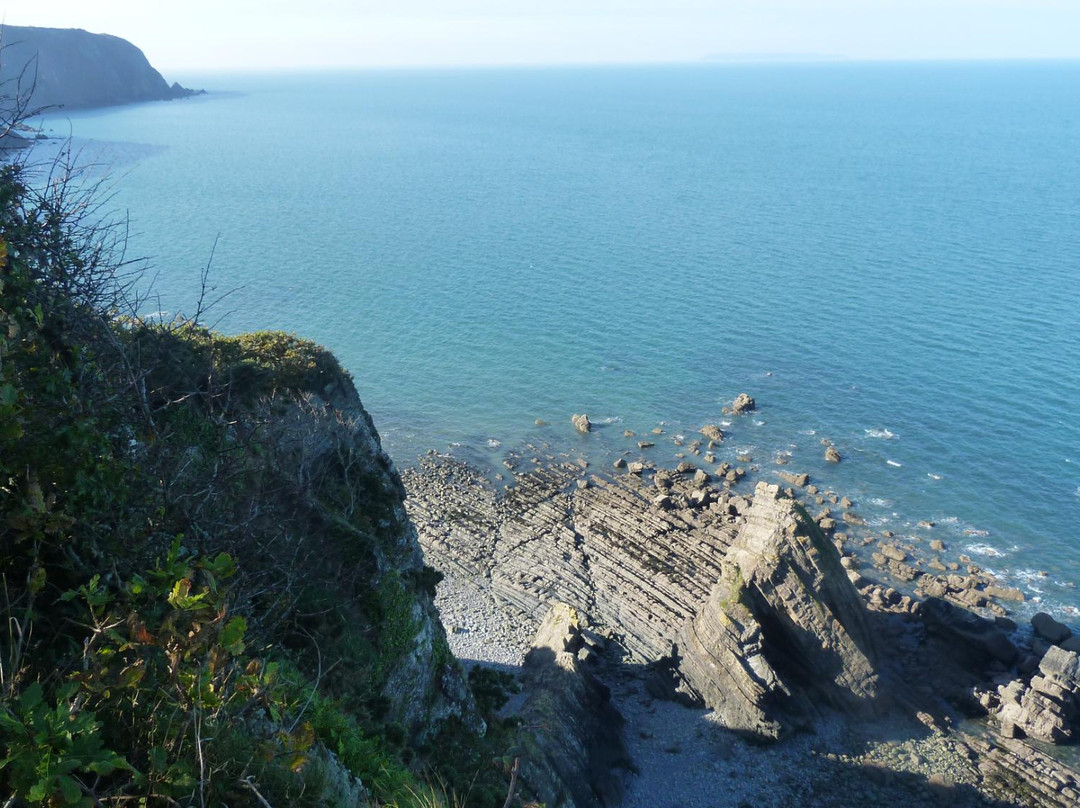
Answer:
(720, 619)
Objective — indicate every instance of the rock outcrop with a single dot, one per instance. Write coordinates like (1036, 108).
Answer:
(581, 422)
(784, 619)
(743, 403)
(1047, 706)
(577, 740)
(742, 598)
(741, 603)
(71, 68)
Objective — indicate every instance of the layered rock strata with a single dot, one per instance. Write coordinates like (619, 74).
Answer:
(743, 604)
(743, 599)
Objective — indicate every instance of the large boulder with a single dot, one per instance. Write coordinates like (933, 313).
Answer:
(1050, 629)
(712, 432)
(743, 403)
(581, 422)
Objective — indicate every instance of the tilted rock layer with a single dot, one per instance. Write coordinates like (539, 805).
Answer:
(745, 599)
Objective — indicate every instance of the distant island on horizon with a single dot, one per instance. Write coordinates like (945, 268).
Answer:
(775, 57)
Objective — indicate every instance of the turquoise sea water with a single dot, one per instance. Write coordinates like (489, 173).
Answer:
(886, 255)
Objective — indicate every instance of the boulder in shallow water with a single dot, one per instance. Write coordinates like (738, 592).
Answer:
(713, 433)
(581, 422)
(832, 455)
(1050, 629)
(743, 403)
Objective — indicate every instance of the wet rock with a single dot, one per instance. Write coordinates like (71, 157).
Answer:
(1050, 629)
(713, 433)
(893, 552)
(620, 463)
(581, 423)
(645, 444)
(743, 403)
(1004, 593)
(795, 479)
(832, 455)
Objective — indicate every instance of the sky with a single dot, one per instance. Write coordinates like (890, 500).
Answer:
(219, 35)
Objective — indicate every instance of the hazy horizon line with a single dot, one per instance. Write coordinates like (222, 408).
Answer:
(712, 60)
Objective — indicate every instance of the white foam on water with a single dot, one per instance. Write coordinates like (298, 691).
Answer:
(759, 423)
(611, 419)
(984, 550)
(971, 531)
(678, 437)
(894, 463)
(933, 476)
(881, 503)
(881, 434)
(810, 432)
(492, 443)
(950, 520)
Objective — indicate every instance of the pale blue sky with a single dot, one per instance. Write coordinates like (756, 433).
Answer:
(269, 34)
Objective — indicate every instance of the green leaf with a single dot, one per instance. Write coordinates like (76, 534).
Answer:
(138, 584)
(232, 636)
(70, 788)
(30, 699)
(8, 395)
(222, 566)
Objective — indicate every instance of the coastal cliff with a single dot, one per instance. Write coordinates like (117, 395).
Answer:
(213, 590)
(72, 68)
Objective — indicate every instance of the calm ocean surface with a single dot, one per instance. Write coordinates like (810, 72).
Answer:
(884, 255)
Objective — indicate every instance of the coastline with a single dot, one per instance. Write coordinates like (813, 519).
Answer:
(896, 547)
(911, 755)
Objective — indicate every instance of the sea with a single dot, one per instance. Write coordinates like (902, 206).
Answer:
(884, 255)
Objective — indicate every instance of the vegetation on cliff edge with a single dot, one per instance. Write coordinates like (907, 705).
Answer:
(210, 591)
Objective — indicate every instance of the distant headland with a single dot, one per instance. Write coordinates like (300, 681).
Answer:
(71, 68)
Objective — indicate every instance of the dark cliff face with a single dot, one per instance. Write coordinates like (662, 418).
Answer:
(73, 68)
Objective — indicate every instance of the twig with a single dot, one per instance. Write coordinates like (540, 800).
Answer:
(250, 786)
